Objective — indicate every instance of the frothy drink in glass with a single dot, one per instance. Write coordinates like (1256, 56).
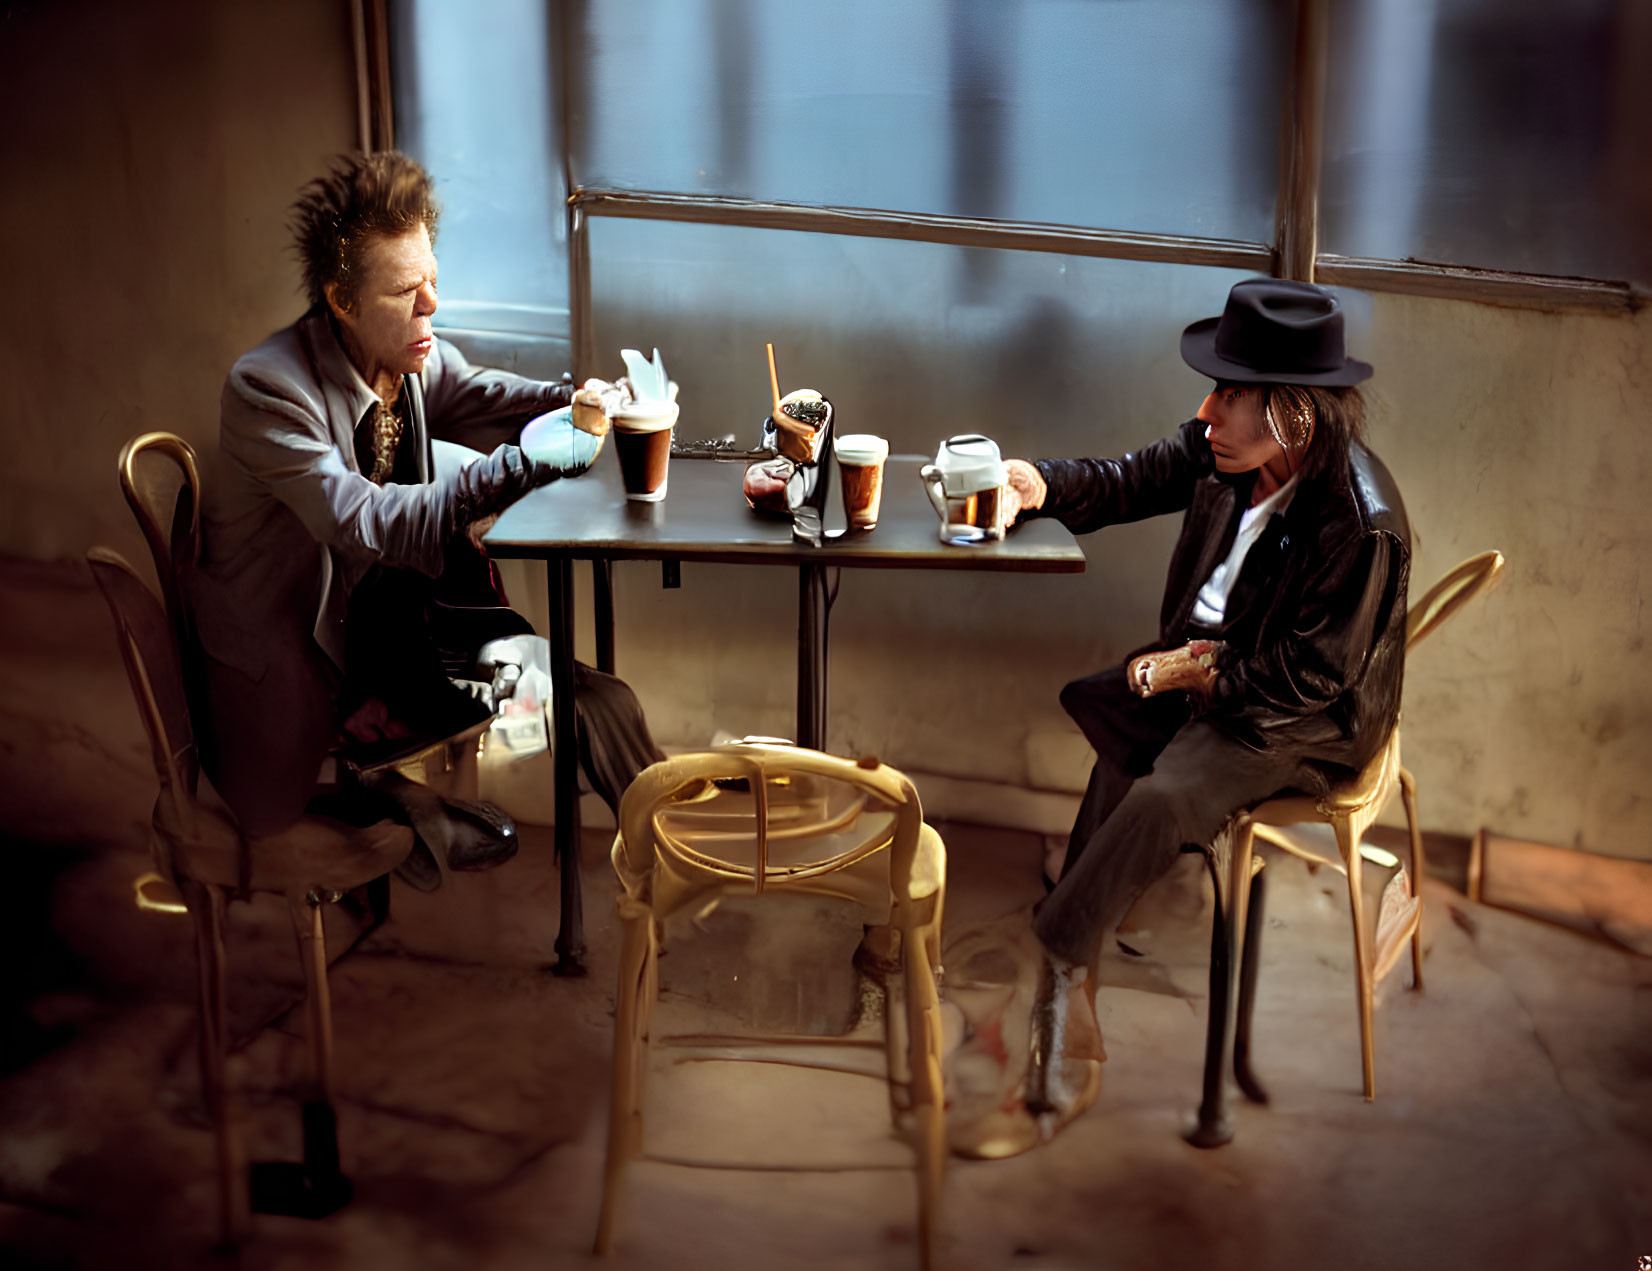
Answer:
(860, 459)
(642, 439)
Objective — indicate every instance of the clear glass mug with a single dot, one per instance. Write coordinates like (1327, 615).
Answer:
(967, 517)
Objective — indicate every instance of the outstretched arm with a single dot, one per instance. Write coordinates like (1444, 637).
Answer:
(277, 434)
(1086, 494)
(480, 407)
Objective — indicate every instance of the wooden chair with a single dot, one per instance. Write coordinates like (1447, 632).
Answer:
(1349, 808)
(766, 819)
(161, 482)
(200, 855)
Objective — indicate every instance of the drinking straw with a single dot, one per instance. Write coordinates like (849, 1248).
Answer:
(774, 382)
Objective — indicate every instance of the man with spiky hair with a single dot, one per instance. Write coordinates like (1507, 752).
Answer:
(340, 582)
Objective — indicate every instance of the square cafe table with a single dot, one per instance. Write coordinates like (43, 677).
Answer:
(705, 518)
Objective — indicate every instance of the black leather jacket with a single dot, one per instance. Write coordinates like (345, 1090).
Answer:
(1313, 643)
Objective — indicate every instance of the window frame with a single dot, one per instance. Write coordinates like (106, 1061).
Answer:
(1293, 253)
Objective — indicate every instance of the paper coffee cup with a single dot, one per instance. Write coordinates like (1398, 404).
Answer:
(860, 460)
(642, 439)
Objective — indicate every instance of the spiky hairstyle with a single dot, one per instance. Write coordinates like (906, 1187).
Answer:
(361, 197)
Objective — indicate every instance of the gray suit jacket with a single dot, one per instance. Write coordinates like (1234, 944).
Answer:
(289, 525)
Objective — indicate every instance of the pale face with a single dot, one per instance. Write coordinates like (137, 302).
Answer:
(386, 327)
(1237, 432)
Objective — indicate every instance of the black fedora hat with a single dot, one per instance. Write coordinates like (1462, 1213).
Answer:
(1274, 331)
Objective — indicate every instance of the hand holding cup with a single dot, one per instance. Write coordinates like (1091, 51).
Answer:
(1025, 488)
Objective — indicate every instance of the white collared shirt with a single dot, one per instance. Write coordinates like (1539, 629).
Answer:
(1210, 607)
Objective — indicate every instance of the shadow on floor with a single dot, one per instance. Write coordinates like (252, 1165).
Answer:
(1512, 1127)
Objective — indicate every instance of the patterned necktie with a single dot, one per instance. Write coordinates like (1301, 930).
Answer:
(387, 435)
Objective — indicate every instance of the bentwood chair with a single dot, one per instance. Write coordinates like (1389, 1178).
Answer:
(200, 855)
(770, 819)
(1349, 808)
(161, 482)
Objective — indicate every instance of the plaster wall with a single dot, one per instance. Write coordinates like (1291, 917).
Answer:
(149, 156)
(1532, 433)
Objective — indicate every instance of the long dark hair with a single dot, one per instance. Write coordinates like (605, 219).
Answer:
(1338, 423)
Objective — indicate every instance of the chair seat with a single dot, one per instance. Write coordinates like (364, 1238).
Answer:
(312, 852)
(1366, 790)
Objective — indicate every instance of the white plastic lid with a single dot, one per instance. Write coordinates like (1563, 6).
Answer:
(860, 448)
(970, 463)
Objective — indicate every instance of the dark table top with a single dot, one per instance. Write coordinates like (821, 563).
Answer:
(705, 518)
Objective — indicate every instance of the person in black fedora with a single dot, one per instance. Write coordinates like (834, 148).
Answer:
(1278, 659)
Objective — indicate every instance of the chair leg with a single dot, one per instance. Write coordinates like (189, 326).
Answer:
(465, 775)
(907, 921)
(1408, 793)
(932, 933)
(630, 1053)
(1250, 960)
(305, 911)
(316, 1187)
(206, 911)
(897, 1048)
(1348, 842)
(1226, 937)
(643, 1030)
(923, 1026)
(1213, 1128)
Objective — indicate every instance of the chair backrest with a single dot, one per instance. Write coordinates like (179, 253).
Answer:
(1459, 586)
(756, 817)
(150, 653)
(162, 486)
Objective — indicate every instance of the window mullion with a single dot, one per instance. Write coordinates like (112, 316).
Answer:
(570, 21)
(1301, 146)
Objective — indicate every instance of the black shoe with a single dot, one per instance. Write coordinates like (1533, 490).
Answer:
(471, 836)
(480, 835)
(466, 834)
(1064, 1064)
(361, 800)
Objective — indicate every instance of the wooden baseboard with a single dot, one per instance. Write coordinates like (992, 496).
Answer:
(1605, 896)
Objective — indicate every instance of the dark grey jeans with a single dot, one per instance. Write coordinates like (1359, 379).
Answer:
(1161, 780)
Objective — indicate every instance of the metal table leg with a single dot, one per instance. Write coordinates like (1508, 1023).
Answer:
(812, 613)
(1230, 937)
(570, 939)
(1255, 917)
(1213, 1128)
(602, 607)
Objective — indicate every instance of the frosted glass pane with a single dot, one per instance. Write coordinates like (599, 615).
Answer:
(1060, 356)
(1147, 116)
(1508, 134)
(474, 104)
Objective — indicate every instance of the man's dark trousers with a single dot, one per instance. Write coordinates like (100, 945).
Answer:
(1162, 779)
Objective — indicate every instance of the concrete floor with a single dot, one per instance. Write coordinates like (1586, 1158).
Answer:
(1512, 1127)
